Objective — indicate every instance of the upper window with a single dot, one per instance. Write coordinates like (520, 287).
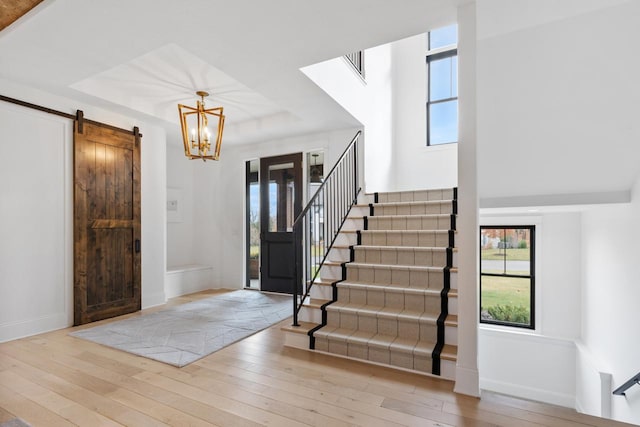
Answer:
(442, 76)
(507, 275)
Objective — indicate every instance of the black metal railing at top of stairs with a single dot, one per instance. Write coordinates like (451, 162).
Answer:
(630, 383)
(319, 223)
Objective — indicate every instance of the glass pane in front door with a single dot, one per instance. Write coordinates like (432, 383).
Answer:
(281, 197)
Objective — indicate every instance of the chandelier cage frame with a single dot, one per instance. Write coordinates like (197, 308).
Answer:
(198, 143)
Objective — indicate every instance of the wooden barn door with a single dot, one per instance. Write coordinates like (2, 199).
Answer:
(106, 222)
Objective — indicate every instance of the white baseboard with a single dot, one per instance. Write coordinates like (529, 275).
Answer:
(25, 328)
(187, 280)
(153, 300)
(467, 382)
(546, 396)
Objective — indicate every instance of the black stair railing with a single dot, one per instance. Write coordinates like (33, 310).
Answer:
(630, 383)
(319, 223)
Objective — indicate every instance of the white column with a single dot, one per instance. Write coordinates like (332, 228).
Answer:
(467, 378)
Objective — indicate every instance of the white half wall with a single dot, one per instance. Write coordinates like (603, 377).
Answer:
(539, 364)
(610, 316)
(531, 366)
(36, 241)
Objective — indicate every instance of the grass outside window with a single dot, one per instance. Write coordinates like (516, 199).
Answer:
(507, 279)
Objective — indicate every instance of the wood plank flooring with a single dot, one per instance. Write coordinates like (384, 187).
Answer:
(57, 380)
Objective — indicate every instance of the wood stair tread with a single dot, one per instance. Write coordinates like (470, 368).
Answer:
(451, 320)
(333, 263)
(449, 352)
(341, 247)
(315, 303)
(304, 327)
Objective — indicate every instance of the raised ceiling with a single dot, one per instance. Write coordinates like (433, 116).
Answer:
(142, 57)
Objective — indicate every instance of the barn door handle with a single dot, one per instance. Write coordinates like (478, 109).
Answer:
(137, 245)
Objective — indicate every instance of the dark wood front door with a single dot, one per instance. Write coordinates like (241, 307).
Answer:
(106, 223)
(280, 203)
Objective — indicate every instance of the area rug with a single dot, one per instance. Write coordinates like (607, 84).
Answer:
(185, 333)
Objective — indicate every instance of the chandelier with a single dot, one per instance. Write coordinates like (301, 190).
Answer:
(201, 130)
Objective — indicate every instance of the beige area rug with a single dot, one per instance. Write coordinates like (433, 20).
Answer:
(185, 333)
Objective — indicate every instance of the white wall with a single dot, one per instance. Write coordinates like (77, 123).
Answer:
(391, 106)
(153, 153)
(610, 295)
(36, 228)
(181, 231)
(370, 103)
(416, 164)
(556, 79)
(539, 364)
(36, 243)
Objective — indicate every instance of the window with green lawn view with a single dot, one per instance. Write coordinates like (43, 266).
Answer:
(507, 275)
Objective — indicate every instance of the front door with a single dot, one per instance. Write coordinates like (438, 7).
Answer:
(281, 203)
(106, 223)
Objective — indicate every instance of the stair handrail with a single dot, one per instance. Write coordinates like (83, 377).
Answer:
(341, 185)
(630, 383)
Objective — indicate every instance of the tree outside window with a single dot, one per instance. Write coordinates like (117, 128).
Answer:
(507, 276)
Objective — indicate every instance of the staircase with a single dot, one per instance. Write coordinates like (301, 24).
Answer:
(388, 292)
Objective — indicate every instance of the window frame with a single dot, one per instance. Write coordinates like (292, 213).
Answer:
(532, 276)
(443, 52)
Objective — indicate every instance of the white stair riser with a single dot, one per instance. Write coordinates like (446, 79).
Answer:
(322, 292)
(359, 211)
(353, 224)
(346, 239)
(453, 305)
(365, 199)
(310, 314)
(451, 335)
(331, 272)
(296, 340)
(448, 369)
(339, 255)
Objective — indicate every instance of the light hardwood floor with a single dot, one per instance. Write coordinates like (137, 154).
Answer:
(57, 380)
